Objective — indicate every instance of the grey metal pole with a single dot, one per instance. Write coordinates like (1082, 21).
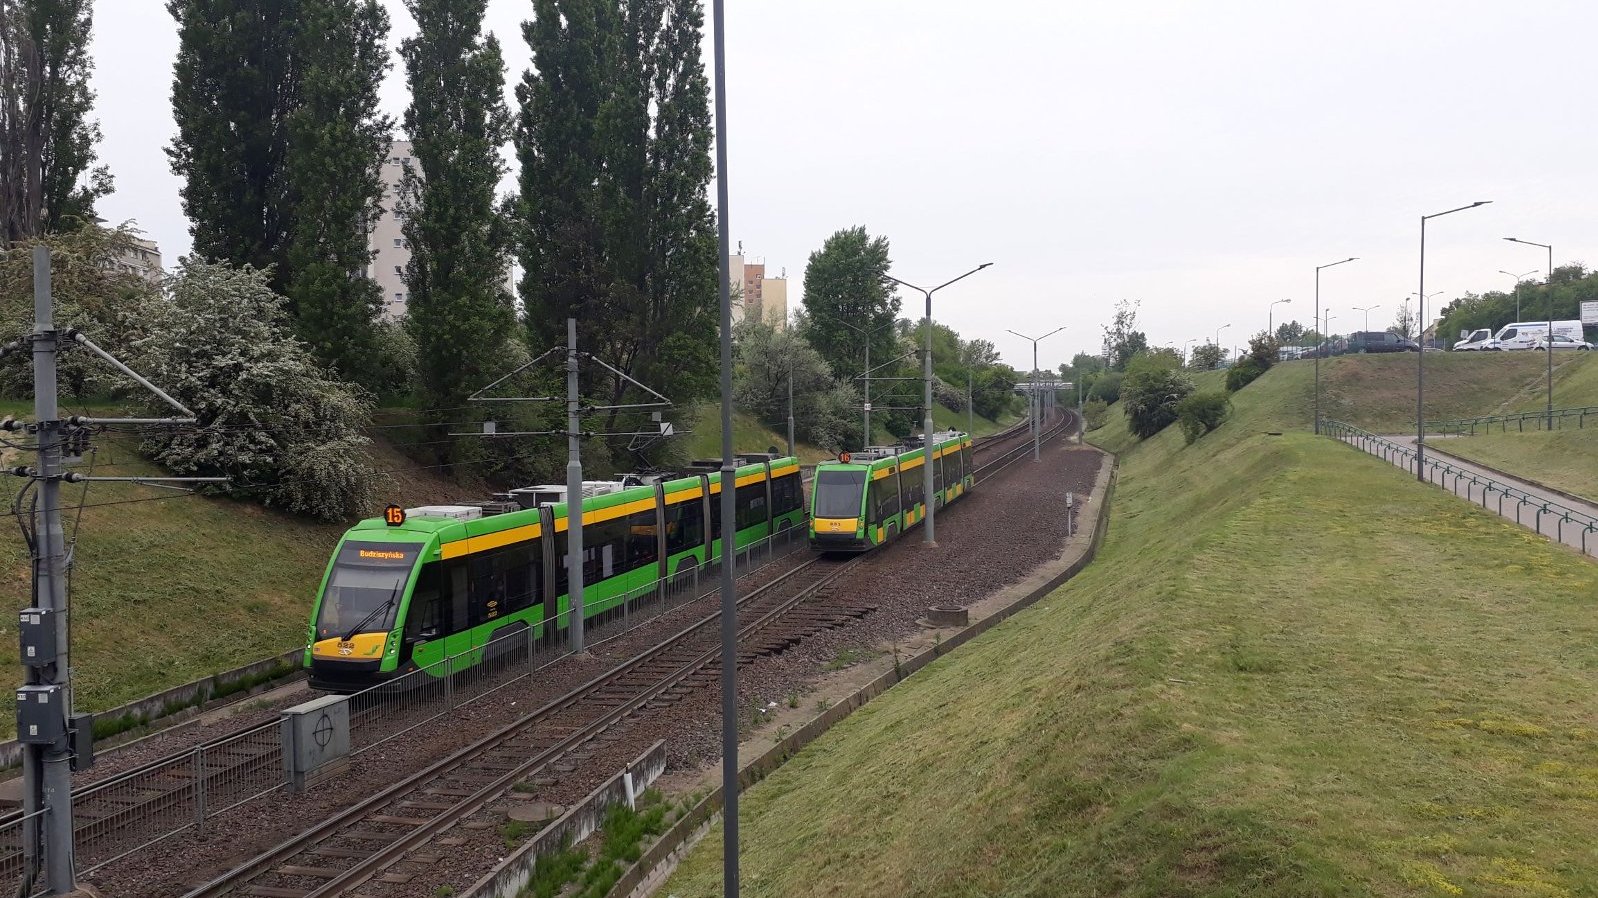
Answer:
(1317, 351)
(729, 588)
(1550, 289)
(865, 429)
(1420, 370)
(574, 492)
(791, 443)
(928, 538)
(51, 763)
(1037, 422)
(970, 404)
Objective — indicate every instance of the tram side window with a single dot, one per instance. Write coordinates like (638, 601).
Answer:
(965, 461)
(641, 546)
(750, 505)
(685, 525)
(937, 474)
(604, 549)
(715, 515)
(787, 495)
(429, 610)
(505, 580)
(913, 492)
(886, 497)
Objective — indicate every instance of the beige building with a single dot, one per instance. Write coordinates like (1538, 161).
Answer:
(140, 257)
(390, 251)
(766, 299)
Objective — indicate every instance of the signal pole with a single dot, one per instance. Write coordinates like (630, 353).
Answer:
(574, 492)
(56, 741)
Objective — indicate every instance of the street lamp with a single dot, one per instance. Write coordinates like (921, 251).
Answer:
(1420, 329)
(1218, 337)
(1190, 342)
(1420, 357)
(1549, 287)
(1518, 278)
(1367, 311)
(1037, 424)
(729, 472)
(927, 537)
(1270, 322)
(1323, 337)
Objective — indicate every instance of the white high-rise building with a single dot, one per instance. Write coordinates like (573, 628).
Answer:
(391, 252)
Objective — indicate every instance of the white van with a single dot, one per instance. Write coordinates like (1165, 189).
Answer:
(1476, 341)
(1522, 334)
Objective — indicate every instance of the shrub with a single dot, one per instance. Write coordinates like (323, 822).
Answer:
(1243, 373)
(1107, 388)
(1149, 396)
(1201, 413)
(1094, 413)
(284, 429)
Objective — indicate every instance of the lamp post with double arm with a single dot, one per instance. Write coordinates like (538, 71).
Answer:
(1420, 357)
(1549, 337)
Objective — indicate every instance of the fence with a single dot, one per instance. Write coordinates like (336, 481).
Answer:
(132, 811)
(1561, 418)
(16, 868)
(1561, 523)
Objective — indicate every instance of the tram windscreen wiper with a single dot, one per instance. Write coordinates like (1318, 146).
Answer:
(387, 603)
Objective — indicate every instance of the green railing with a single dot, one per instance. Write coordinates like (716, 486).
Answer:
(1476, 488)
(1519, 422)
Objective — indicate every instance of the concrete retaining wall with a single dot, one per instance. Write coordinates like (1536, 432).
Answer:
(679, 837)
(572, 827)
(178, 699)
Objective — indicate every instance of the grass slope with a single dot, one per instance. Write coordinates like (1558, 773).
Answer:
(748, 435)
(1251, 692)
(1564, 459)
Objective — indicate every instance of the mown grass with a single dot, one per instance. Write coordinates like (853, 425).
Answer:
(748, 435)
(1563, 459)
(1252, 691)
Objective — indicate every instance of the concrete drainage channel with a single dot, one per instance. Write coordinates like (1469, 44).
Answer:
(515, 871)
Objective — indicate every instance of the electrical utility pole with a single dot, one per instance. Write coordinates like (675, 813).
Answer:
(575, 411)
(56, 740)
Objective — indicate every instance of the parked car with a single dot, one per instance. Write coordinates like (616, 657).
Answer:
(1380, 341)
(1562, 342)
(1479, 340)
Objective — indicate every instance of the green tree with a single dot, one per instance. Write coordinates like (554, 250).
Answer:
(236, 82)
(337, 142)
(1122, 339)
(846, 283)
(1201, 413)
(1206, 356)
(1150, 394)
(48, 180)
(826, 412)
(1289, 333)
(614, 222)
(458, 313)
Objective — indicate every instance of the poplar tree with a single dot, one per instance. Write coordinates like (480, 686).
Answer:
(48, 180)
(614, 144)
(337, 143)
(235, 83)
(458, 310)
(280, 146)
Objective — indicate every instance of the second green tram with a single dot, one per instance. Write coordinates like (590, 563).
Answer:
(406, 591)
(869, 497)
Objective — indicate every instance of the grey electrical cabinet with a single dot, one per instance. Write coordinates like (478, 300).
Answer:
(36, 630)
(41, 719)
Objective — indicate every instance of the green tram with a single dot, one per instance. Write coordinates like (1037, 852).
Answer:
(406, 591)
(869, 497)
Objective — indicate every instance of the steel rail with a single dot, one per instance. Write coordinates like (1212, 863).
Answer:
(264, 863)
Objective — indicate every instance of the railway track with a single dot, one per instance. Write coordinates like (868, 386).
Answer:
(107, 814)
(395, 833)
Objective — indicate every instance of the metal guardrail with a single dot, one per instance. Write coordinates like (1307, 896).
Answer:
(133, 811)
(1561, 418)
(1477, 488)
(19, 874)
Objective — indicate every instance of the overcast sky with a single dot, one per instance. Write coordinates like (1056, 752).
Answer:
(1201, 157)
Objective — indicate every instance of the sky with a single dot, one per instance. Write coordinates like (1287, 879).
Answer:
(1198, 158)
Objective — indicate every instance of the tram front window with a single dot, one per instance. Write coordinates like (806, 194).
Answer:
(838, 494)
(363, 592)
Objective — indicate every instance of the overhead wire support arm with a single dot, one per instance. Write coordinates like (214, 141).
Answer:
(479, 397)
(78, 337)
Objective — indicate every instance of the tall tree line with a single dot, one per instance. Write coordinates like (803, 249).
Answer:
(613, 218)
(48, 180)
(280, 145)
